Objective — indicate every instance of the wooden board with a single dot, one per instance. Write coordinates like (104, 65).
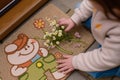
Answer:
(28, 29)
(6, 5)
(10, 20)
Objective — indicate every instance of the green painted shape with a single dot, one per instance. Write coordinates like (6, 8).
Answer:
(38, 73)
(49, 59)
(24, 76)
(50, 63)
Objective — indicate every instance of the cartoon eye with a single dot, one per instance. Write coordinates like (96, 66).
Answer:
(28, 46)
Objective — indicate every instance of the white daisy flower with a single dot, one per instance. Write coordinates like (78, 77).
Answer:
(50, 34)
(47, 41)
(57, 42)
(44, 37)
(54, 38)
(47, 45)
(53, 29)
(53, 23)
(60, 31)
(54, 33)
(57, 25)
(47, 33)
(51, 44)
(63, 27)
(60, 34)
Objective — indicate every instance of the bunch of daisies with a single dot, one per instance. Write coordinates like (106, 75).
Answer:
(54, 37)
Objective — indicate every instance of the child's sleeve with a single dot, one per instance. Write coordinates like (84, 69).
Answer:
(104, 58)
(83, 12)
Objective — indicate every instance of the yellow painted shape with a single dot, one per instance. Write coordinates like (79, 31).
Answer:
(39, 64)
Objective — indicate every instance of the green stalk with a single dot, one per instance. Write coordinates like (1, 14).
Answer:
(78, 40)
(63, 50)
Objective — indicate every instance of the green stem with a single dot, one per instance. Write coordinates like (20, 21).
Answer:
(63, 50)
(78, 40)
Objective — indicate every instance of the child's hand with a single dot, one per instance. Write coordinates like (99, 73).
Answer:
(65, 64)
(68, 22)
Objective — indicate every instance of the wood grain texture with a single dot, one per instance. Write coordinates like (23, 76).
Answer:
(3, 3)
(18, 14)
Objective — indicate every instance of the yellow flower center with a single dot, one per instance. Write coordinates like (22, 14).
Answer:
(39, 24)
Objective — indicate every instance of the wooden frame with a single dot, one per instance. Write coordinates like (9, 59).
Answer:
(16, 15)
(6, 5)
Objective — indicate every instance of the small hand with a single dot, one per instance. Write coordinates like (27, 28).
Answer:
(68, 22)
(44, 52)
(65, 64)
(17, 71)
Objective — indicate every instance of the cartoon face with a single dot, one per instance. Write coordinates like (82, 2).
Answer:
(25, 54)
(29, 48)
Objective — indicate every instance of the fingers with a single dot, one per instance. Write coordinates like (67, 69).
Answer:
(61, 65)
(66, 56)
(68, 71)
(66, 22)
(64, 59)
(64, 65)
(64, 69)
(60, 61)
(62, 21)
(68, 28)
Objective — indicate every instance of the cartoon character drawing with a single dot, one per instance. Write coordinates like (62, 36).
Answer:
(30, 62)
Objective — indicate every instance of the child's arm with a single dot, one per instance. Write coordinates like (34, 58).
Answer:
(104, 58)
(83, 12)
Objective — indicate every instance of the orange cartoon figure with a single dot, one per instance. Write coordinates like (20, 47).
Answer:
(25, 55)
(21, 51)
